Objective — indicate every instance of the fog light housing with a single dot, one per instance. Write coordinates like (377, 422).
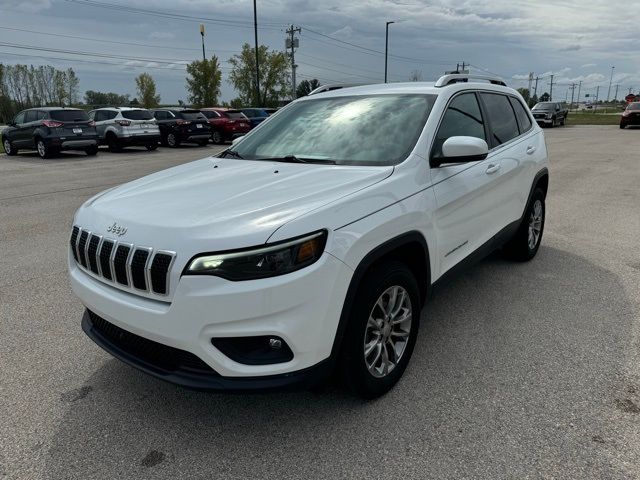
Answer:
(259, 350)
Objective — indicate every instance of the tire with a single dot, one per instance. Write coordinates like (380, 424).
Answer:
(8, 147)
(42, 149)
(524, 245)
(203, 143)
(217, 137)
(172, 140)
(113, 143)
(152, 146)
(91, 151)
(563, 121)
(364, 372)
(621, 126)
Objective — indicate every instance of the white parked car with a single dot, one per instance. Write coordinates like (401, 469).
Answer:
(313, 242)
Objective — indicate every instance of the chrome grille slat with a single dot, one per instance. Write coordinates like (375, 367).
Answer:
(101, 257)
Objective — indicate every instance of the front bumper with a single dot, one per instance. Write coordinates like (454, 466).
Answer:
(544, 121)
(631, 120)
(181, 368)
(303, 308)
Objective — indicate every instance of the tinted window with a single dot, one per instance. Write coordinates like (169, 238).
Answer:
(210, 114)
(19, 118)
(462, 118)
(192, 115)
(236, 115)
(31, 116)
(161, 115)
(352, 130)
(544, 106)
(69, 115)
(501, 117)
(98, 116)
(523, 117)
(42, 114)
(137, 114)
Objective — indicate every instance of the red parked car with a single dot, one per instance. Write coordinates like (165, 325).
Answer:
(226, 123)
(631, 116)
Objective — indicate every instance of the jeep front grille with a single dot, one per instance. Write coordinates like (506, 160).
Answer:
(122, 264)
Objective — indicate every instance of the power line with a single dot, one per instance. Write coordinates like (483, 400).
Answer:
(164, 47)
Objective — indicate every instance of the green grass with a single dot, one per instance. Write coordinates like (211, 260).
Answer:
(592, 119)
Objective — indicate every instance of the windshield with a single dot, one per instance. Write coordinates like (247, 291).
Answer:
(137, 114)
(544, 106)
(254, 113)
(634, 106)
(357, 130)
(69, 115)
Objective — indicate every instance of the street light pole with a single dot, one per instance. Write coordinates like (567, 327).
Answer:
(255, 30)
(204, 57)
(386, 49)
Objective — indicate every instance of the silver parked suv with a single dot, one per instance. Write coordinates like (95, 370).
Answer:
(119, 127)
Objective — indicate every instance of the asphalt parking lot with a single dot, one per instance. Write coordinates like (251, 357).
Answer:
(520, 370)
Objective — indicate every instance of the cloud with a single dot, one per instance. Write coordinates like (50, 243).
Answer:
(31, 6)
(588, 65)
(571, 48)
(162, 36)
(344, 32)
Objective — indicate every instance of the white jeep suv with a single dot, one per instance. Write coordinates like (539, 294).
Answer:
(313, 242)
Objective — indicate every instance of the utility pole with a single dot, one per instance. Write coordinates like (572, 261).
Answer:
(573, 88)
(595, 107)
(579, 87)
(293, 43)
(204, 57)
(615, 96)
(386, 49)
(530, 80)
(255, 30)
(551, 89)
(535, 93)
(610, 80)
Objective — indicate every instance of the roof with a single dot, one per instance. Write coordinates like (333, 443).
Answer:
(48, 109)
(220, 109)
(121, 109)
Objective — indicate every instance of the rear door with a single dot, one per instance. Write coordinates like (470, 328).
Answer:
(466, 202)
(141, 122)
(512, 147)
(19, 135)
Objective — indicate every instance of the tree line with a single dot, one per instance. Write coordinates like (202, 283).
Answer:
(23, 86)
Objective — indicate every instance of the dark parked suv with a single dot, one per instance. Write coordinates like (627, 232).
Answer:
(179, 125)
(631, 115)
(50, 130)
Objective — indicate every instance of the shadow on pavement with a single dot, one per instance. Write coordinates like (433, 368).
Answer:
(515, 373)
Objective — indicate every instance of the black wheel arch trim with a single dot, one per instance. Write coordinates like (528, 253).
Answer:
(370, 259)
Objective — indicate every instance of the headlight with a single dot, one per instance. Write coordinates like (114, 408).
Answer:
(549, 115)
(264, 261)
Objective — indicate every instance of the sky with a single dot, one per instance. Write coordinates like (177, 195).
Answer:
(109, 42)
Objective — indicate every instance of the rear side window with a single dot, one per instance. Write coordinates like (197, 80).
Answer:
(523, 117)
(69, 115)
(19, 118)
(137, 114)
(502, 118)
(462, 118)
(31, 116)
(210, 114)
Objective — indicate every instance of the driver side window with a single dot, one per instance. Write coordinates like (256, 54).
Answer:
(19, 118)
(462, 118)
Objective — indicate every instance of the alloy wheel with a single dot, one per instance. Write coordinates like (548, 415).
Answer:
(42, 150)
(535, 224)
(387, 332)
(171, 140)
(7, 147)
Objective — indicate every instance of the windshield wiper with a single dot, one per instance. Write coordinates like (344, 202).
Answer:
(294, 159)
(233, 153)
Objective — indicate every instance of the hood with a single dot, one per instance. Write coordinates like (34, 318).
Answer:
(219, 204)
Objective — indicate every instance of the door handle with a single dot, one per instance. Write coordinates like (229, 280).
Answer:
(492, 168)
(530, 149)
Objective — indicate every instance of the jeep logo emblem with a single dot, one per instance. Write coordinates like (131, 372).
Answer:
(116, 229)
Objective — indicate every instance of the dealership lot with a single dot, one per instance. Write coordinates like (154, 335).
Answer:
(519, 370)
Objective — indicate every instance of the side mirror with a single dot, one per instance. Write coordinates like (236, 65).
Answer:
(235, 140)
(461, 150)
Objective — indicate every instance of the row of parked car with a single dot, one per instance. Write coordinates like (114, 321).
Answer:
(50, 130)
